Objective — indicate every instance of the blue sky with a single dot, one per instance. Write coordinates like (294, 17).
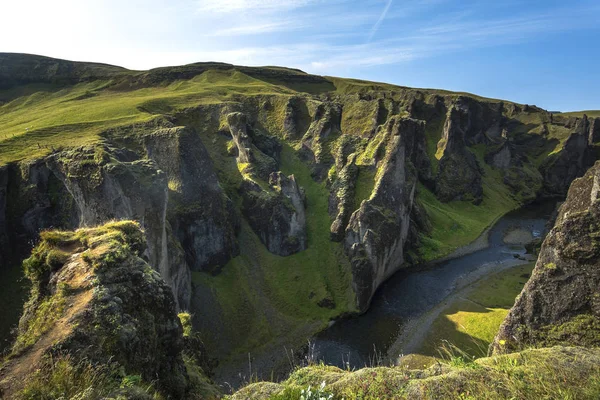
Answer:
(537, 52)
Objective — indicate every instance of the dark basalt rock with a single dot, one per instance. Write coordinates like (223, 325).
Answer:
(277, 216)
(202, 217)
(560, 303)
(594, 134)
(459, 173)
(32, 198)
(560, 169)
(295, 121)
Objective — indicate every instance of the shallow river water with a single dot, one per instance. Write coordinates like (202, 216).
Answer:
(406, 297)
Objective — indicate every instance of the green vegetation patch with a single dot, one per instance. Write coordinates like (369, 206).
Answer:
(581, 330)
(471, 323)
(365, 183)
(66, 379)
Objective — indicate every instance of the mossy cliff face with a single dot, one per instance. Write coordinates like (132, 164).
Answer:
(272, 203)
(202, 217)
(561, 302)
(378, 231)
(95, 301)
(32, 198)
(459, 174)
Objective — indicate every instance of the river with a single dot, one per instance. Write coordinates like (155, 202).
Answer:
(407, 297)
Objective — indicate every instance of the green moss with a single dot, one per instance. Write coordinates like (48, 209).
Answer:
(358, 117)
(559, 372)
(199, 385)
(373, 151)
(581, 330)
(47, 312)
(186, 322)
(433, 135)
(365, 183)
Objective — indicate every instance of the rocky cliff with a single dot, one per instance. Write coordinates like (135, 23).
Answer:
(378, 231)
(95, 303)
(560, 304)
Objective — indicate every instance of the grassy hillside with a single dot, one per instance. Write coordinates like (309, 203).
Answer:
(589, 113)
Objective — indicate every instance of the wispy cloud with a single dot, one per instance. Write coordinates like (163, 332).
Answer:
(256, 29)
(228, 6)
(375, 27)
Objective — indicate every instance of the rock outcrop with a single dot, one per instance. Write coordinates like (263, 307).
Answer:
(341, 199)
(560, 169)
(32, 198)
(249, 157)
(326, 124)
(560, 303)
(272, 203)
(95, 301)
(105, 188)
(276, 215)
(296, 120)
(594, 134)
(202, 217)
(378, 231)
(459, 174)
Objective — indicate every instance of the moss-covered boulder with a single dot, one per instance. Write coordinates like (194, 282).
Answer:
(561, 301)
(95, 302)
